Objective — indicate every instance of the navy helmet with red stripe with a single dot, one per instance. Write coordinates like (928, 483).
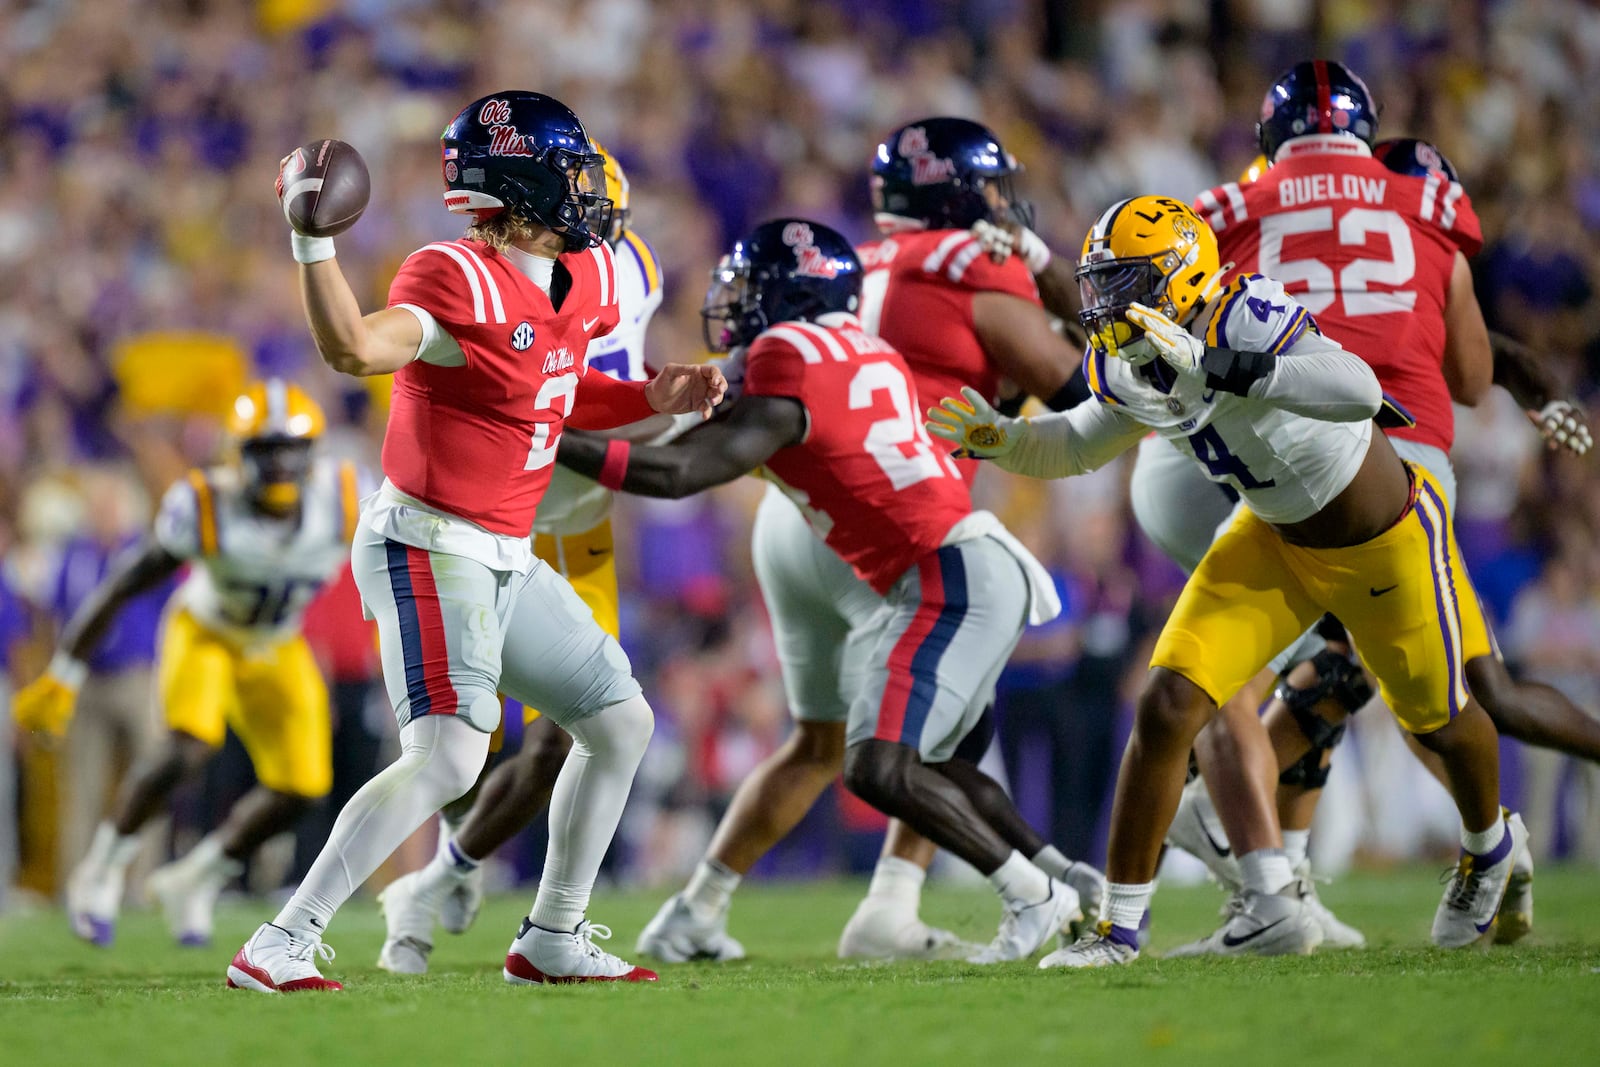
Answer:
(782, 271)
(1419, 159)
(1319, 96)
(933, 172)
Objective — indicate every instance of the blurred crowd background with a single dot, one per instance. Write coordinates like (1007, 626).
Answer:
(145, 274)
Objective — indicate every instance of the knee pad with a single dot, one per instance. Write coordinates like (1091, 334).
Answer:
(1331, 629)
(623, 729)
(1307, 772)
(447, 751)
(1339, 678)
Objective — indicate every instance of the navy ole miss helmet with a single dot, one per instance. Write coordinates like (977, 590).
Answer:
(1419, 159)
(781, 271)
(528, 154)
(933, 172)
(1319, 96)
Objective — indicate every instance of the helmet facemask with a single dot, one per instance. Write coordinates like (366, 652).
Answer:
(731, 314)
(275, 470)
(1109, 287)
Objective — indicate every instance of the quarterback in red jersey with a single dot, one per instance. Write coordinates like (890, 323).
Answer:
(486, 337)
(829, 411)
(959, 318)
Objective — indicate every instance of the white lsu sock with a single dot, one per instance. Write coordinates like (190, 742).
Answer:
(1297, 847)
(1266, 870)
(1127, 902)
(1017, 879)
(897, 881)
(1483, 842)
(711, 886)
(110, 850)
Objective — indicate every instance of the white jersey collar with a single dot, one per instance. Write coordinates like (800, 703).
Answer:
(540, 270)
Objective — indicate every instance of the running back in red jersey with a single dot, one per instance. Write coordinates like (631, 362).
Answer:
(1367, 251)
(866, 476)
(479, 440)
(917, 293)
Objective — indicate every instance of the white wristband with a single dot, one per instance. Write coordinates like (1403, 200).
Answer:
(66, 669)
(1033, 250)
(310, 249)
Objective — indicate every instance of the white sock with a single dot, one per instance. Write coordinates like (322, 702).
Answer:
(440, 757)
(1127, 902)
(898, 882)
(1208, 812)
(109, 850)
(206, 862)
(1483, 842)
(1052, 862)
(449, 868)
(710, 888)
(1019, 880)
(586, 807)
(1266, 870)
(1296, 847)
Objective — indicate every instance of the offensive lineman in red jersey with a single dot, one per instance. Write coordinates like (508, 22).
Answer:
(829, 410)
(486, 338)
(958, 319)
(1379, 255)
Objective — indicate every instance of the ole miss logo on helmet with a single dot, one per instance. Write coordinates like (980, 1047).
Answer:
(809, 260)
(926, 168)
(504, 140)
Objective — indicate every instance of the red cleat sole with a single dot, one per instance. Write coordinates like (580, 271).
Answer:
(519, 971)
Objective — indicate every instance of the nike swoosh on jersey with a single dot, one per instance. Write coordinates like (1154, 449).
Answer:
(1386, 589)
(588, 324)
(1235, 942)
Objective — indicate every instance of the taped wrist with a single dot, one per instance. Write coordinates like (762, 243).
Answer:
(1011, 406)
(310, 249)
(1235, 372)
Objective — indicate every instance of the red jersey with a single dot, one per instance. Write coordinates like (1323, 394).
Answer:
(479, 440)
(866, 476)
(916, 293)
(1368, 252)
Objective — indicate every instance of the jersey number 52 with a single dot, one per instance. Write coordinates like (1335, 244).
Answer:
(1356, 227)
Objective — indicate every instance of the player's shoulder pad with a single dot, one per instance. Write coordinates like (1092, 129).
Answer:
(1223, 206)
(451, 281)
(634, 253)
(187, 522)
(1254, 314)
(806, 340)
(1445, 205)
(957, 258)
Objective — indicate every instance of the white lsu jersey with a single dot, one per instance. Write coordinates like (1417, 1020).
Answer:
(572, 503)
(251, 575)
(1286, 466)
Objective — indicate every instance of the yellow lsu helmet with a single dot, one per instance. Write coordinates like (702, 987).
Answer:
(1150, 250)
(1258, 166)
(274, 423)
(617, 192)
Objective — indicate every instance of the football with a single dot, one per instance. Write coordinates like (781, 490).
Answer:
(323, 187)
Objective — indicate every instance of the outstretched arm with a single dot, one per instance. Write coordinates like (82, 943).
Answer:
(141, 570)
(735, 443)
(1056, 445)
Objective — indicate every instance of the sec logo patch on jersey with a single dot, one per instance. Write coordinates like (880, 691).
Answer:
(522, 337)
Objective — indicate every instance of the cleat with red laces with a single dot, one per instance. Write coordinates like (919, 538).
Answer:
(275, 960)
(547, 957)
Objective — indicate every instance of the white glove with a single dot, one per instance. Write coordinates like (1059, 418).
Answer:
(975, 427)
(1563, 426)
(1001, 241)
(1177, 347)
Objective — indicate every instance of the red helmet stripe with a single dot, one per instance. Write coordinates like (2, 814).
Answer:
(1324, 98)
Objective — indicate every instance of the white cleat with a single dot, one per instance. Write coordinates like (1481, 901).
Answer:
(408, 923)
(1472, 899)
(275, 960)
(94, 895)
(1262, 924)
(188, 899)
(1097, 948)
(1516, 910)
(1336, 933)
(461, 907)
(1090, 885)
(1188, 832)
(546, 957)
(678, 935)
(880, 931)
(1026, 927)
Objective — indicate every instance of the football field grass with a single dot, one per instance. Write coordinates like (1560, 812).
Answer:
(1400, 1001)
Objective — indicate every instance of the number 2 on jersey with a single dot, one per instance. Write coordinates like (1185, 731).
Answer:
(886, 436)
(560, 388)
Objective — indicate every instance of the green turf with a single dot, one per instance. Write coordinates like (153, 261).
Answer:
(147, 1001)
